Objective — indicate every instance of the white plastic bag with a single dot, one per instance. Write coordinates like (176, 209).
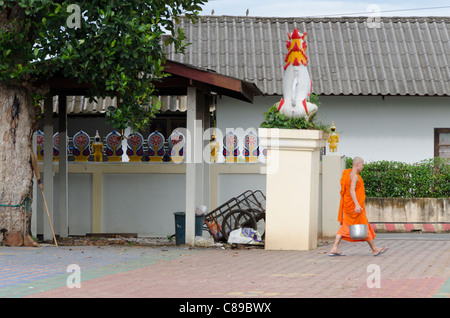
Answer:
(200, 210)
(244, 236)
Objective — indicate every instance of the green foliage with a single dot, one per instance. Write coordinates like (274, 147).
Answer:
(116, 47)
(274, 119)
(425, 179)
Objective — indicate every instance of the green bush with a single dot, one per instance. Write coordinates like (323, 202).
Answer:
(426, 179)
(274, 119)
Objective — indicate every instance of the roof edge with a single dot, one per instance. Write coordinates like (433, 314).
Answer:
(331, 19)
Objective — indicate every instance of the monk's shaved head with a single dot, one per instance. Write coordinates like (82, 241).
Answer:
(357, 160)
(358, 164)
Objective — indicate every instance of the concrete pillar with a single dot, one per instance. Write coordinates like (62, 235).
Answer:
(292, 187)
(48, 166)
(63, 175)
(332, 168)
(195, 184)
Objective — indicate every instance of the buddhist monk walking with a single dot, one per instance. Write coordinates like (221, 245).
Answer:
(352, 209)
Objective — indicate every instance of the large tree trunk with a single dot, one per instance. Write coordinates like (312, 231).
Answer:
(16, 174)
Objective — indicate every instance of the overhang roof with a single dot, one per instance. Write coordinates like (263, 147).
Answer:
(184, 75)
(181, 76)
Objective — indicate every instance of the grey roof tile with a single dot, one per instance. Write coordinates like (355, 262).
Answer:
(405, 56)
(81, 104)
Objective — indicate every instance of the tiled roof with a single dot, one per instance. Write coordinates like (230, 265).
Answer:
(81, 104)
(404, 56)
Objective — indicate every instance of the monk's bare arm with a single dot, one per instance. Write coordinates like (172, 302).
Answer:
(354, 179)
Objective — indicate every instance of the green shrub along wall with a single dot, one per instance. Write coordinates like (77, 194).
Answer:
(425, 179)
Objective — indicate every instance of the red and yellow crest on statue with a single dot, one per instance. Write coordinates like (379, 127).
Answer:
(296, 46)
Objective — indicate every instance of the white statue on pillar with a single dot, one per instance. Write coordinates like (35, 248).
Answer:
(297, 85)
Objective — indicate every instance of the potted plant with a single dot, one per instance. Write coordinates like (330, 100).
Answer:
(274, 119)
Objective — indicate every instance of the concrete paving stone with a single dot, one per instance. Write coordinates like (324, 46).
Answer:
(50, 265)
(412, 268)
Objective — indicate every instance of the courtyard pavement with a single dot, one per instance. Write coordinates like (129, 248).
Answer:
(416, 265)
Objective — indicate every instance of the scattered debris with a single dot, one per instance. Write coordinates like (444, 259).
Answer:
(131, 240)
(116, 239)
(203, 241)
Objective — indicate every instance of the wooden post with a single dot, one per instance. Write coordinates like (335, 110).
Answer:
(97, 198)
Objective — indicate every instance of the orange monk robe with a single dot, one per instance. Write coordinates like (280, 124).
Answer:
(347, 215)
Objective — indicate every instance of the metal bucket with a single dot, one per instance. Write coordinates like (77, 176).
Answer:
(358, 231)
